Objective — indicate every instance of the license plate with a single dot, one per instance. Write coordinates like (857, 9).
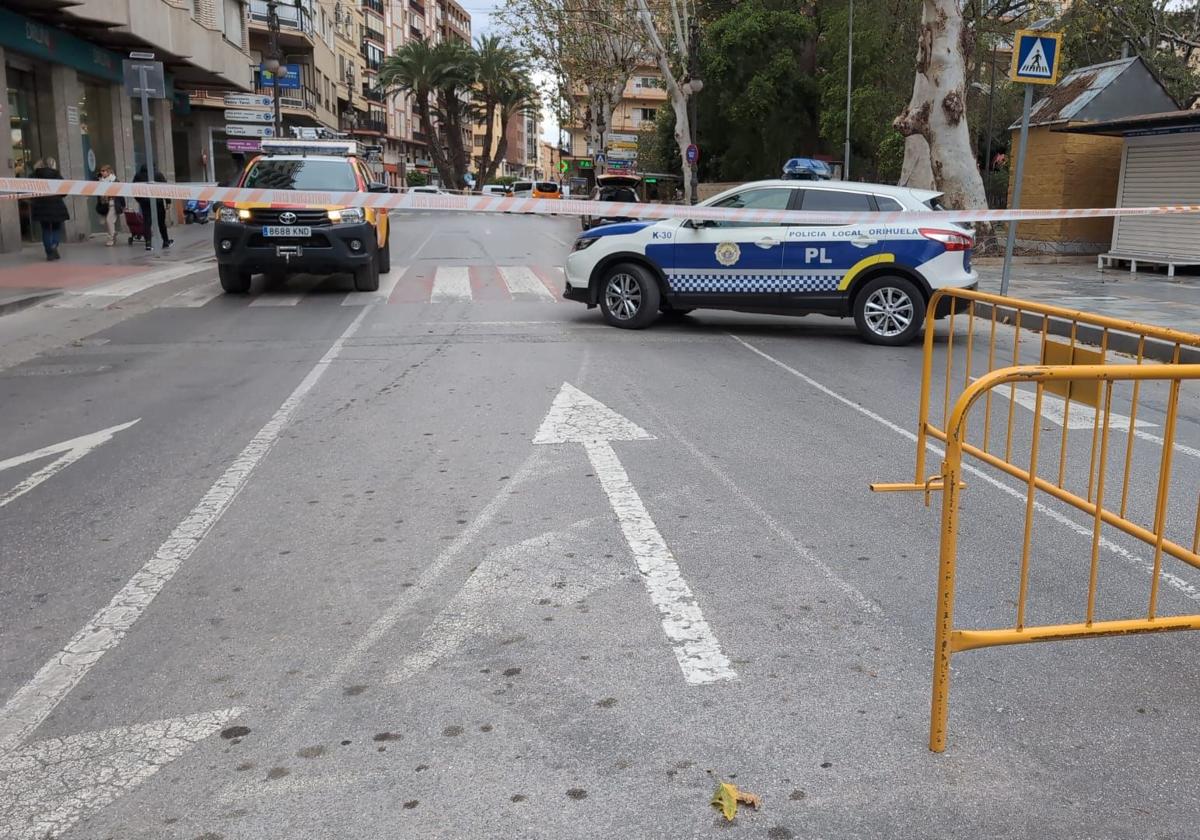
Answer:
(287, 230)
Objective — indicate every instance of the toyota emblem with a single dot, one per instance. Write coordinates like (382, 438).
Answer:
(287, 218)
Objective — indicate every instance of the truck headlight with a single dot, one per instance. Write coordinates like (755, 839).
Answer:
(583, 242)
(227, 214)
(347, 216)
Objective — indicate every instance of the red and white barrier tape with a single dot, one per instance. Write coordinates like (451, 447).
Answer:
(545, 206)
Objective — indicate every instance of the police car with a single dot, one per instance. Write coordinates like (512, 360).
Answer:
(882, 275)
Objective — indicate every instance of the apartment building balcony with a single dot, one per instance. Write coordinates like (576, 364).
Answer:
(373, 34)
(374, 126)
(374, 5)
(370, 62)
(372, 93)
(197, 56)
(301, 102)
(295, 24)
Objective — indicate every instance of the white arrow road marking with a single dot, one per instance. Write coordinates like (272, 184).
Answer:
(1083, 416)
(48, 786)
(502, 587)
(72, 450)
(35, 700)
(574, 417)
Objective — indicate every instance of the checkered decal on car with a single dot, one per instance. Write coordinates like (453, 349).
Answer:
(751, 283)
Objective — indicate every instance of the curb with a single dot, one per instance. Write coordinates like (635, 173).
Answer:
(1118, 342)
(7, 307)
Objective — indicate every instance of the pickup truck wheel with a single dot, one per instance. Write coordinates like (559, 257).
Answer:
(385, 258)
(366, 277)
(233, 281)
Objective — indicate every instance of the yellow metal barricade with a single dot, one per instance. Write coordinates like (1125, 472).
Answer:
(1100, 354)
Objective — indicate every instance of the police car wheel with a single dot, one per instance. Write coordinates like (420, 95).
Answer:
(889, 311)
(629, 297)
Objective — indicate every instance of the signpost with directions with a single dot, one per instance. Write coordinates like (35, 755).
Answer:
(239, 130)
(247, 100)
(1035, 62)
(144, 78)
(249, 116)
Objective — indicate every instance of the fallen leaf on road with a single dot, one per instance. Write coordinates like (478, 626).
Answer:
(727, 797)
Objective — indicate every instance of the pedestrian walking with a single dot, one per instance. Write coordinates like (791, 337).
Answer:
(49, 211)
(110, 208)
(142, 177)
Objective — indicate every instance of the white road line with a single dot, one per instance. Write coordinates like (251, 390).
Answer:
(47, 787)
(35, 700)
(106, 294)
(1083, 416)
(278, 299)
(522, 281)
(387, 284)
(194, 297)
(73, 450)
(451, 284)
(1181, 585)
(576, 417)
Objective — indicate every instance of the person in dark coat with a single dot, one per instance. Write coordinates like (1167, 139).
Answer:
(49, 211)
(160, 206)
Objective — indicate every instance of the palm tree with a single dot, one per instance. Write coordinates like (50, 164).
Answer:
(426, 72)
(498, 68)
(518, 98)
(454, 109)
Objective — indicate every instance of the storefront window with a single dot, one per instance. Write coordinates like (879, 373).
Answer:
(26, 134)
(96, 134)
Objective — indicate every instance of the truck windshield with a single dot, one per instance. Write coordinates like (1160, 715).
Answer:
(333, 175)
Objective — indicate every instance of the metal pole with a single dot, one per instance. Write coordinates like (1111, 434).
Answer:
(1016, 202)
(693, 133)
(273, 28)
(849, 87)
(149, 141)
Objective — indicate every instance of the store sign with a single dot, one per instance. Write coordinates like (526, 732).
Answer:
(242, 147)
(289, 77)
(32, 38)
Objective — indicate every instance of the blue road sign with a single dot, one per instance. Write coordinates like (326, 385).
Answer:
(289, 77)
(1036, 57)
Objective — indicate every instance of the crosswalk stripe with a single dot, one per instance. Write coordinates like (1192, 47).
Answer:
(451, 284)
(278, 299)
(387, 283)
(522, 281)
(194, 297)
(106, 294)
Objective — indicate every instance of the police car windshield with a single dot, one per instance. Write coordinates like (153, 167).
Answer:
(302, 174)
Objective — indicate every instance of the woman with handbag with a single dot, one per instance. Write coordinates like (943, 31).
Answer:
(110, 208)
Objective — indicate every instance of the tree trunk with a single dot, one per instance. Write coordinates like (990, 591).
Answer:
(487, 164)
(679, 100)
(937, 111)
(435, 148)
(458, 161)
(916, 172)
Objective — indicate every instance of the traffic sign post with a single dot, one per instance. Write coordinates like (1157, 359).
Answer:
(144, 78)
(1035, 62)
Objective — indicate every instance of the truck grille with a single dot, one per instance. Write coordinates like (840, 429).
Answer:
(270, 216)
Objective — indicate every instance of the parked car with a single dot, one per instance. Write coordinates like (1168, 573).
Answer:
(882, 275)
(611, 188)
(428, 190)
(546, 189)
(494, 189)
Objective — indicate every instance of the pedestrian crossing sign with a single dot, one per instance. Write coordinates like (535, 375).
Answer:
(1036, 57)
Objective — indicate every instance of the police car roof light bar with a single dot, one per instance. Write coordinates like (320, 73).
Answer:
(340, 148)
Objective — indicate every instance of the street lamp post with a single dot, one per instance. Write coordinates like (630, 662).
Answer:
(272, 63)
(849, 87)
(694, 85)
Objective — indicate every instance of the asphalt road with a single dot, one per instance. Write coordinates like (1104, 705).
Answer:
(460, 561)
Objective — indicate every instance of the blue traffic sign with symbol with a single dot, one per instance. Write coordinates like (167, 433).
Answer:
(1036, 57)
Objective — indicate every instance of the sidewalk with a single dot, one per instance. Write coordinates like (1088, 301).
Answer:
(1077, 284)
(26, 278)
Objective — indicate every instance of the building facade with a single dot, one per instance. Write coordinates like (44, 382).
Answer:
(62, 66)
(644, 95)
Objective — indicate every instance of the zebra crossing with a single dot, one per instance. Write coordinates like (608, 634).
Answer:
(414, 284)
